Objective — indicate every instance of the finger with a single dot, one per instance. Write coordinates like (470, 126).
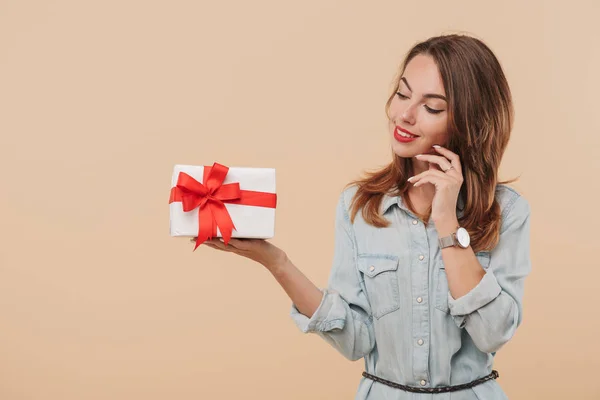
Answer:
(453, 157)
(432, 173)
(442, 162)
(239, 243)
(238, 246)
(215, 244)
(208, 243)
(212, 246)
(422, 181)
(424, 174)
(218, 242)
(194, 239)
(433, 179)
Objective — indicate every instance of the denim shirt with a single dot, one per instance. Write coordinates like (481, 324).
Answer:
(387, 301)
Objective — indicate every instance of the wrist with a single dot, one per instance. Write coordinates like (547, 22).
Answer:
(277, 263)
(446, 226)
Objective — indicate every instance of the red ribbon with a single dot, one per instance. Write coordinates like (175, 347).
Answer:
(211, 197)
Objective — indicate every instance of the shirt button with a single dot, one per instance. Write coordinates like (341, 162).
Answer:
(415, 222)
(372, 268)
(423, 382)
(421, 257)
(420, 341)
(419, 299)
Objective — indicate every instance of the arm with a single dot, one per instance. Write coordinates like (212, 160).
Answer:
(303, 293)
(342, 316)
(491, 310)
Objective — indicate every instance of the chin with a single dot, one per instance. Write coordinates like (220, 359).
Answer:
(404, 153)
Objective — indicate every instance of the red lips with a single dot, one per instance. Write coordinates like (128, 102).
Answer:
(405, 131)
(403, 139)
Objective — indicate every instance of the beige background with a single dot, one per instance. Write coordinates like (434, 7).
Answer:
(98, 101)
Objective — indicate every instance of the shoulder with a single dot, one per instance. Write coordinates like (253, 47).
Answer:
(344, 203)
(513, 205)
(506, 197)
(347, 195)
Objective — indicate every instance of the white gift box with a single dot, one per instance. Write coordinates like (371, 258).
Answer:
(250, 221)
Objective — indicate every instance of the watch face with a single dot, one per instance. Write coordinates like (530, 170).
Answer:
(463, 238)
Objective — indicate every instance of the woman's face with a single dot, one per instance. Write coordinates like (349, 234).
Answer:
(420, 108)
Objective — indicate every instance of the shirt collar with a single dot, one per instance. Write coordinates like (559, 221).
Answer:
(389, 200)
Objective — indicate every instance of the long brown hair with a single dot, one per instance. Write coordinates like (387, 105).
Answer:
(480, 119)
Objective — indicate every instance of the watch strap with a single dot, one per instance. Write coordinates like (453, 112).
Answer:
(447, 241)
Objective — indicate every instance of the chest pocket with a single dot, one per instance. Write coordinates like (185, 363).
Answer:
(381, 281)
(441, 295)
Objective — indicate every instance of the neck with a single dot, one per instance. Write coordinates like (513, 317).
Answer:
(422, 196)
(419, 166)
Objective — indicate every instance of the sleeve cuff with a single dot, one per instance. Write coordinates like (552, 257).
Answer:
(326, 317)
(486, 290)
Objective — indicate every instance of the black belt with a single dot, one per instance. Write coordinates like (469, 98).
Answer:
(442, 389)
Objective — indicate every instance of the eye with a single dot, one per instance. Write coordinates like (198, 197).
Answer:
(429, 109)
(432, 111)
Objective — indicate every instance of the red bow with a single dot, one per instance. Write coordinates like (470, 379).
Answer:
(211, 198)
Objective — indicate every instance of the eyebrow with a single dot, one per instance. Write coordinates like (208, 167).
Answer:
(428, 95)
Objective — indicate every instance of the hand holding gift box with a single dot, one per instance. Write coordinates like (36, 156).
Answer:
(225, 202)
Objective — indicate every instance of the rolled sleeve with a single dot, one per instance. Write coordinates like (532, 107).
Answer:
(328, 316)
(492, 310)
(486, 290)
(343, 317)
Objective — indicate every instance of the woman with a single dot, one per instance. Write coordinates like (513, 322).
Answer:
(431, 252)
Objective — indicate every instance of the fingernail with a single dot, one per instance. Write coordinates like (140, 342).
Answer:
(418, 155)
(436, 145)
(410, 178)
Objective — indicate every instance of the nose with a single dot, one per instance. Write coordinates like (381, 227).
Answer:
(408, 114)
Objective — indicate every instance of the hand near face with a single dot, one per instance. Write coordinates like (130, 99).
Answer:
(447, 181)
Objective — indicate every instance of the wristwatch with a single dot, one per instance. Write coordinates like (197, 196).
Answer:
(460, 238)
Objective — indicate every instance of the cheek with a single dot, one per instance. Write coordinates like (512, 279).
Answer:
(434, 127)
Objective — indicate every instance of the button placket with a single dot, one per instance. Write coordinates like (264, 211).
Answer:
(420, 283)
